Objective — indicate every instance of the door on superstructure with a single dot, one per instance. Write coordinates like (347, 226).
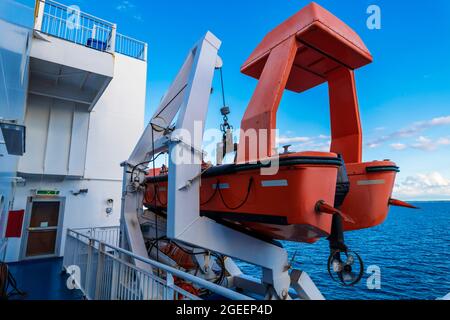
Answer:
(43, 228)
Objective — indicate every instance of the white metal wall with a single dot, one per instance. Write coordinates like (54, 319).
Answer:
(57, 137)
(15, 34)
(117, 120)
(115, 126)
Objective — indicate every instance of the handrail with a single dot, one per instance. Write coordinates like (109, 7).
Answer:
(99, 34)
(108, 234)
(131, 38)
(63, 6)
(224, 292)
(3, 243)
(131, 47)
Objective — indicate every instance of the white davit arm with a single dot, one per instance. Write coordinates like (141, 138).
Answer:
(186, 105)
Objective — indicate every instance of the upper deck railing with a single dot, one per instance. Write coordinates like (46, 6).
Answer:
(71, 24)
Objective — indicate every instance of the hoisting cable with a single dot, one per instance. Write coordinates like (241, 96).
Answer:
(155, 198)
(225, 111)
(223, 86)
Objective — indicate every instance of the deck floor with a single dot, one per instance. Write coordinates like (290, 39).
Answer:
(42, 280)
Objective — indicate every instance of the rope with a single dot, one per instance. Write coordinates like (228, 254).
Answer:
(7, 280)
(249, 188)
(213, 195)
(217, 190)
(157, 196)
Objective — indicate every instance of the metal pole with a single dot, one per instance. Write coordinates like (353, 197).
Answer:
(100, 269)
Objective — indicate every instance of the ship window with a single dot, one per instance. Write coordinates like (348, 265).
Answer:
(14, 138)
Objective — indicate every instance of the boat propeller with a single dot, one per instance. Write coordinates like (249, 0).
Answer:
(345, 267)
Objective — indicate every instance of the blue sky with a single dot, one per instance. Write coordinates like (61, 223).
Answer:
(404, 95)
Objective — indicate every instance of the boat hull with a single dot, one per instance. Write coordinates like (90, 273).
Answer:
(371, 186)
(282, 206)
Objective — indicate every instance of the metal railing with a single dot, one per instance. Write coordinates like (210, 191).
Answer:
(106, 272)
(108, 235)
(131, 47)
(3, 244)
(70, 24)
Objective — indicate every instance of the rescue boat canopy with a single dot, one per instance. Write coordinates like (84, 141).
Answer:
(325, 44)
(310, 48)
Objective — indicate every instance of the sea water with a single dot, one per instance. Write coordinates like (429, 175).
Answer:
(411, 250)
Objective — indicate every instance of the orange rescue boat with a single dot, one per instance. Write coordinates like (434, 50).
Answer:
(282, 206)
(314, 194)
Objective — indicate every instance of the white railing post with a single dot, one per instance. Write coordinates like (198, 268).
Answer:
(87, 280)
(112, 41)
(145, 51)
(39, 14)
(67, 249)
(100, 268)
(114, 280)
(170, 284)
(3, 248)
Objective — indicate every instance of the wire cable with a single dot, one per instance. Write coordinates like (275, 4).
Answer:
(155, 199)
(223, 87)
(145, 162)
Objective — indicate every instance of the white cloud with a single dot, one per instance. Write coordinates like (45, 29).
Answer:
(317, 143)
(421, 143)
(426, 144)
(125, 5)
(287, 140)
(439, 121)
(411, 130)
(444, 142)
(424, 186)
(399, 146)
(131, 9)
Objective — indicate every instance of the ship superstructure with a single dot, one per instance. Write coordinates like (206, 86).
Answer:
(82, 103)
(131, 231)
